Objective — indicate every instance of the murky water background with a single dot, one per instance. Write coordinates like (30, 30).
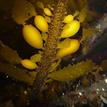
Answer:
(16, 81)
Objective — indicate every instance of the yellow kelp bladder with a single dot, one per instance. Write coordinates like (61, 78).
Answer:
(47, 11)
(32, 36)
(41, 23)
(28, 64)
(71, 47)
(69, 18)
(70, 29)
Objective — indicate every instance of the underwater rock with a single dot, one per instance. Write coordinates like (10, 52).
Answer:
(97, 37)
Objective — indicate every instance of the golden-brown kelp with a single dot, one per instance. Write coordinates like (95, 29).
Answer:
(41, 23)
(17, 73)
(50, 46)
(32, 36)
(69, 47)
(72, 72)
(22, 11)
(70, 29)
(9, 55)
(28, 64)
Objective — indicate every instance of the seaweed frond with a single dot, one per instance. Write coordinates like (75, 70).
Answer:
(72, 72)
(50, 47)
